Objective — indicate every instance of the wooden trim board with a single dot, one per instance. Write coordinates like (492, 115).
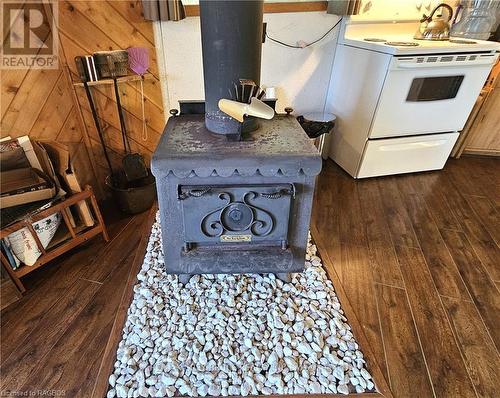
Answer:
(273, 8)
(482, 152)
(123, 79)
(299, 6)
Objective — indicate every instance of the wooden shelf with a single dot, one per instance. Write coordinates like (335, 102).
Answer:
(65, 238)
(62, 234)
(123, 79)
(62, 247)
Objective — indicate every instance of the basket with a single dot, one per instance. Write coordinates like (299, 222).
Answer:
(132, 199)
(120, 61)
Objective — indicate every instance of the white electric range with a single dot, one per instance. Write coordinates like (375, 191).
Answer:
(401, 103)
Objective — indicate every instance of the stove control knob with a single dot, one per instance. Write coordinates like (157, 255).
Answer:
(288, 110)
(173, 112)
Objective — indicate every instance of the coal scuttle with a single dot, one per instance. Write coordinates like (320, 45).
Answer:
(234, 197)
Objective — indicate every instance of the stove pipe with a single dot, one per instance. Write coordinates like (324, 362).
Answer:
(231, 36)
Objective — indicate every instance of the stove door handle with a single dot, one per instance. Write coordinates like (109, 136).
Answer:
(194, 193)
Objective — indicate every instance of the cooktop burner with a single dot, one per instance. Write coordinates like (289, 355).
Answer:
(375, 39)
(402, 43)
(462, 41)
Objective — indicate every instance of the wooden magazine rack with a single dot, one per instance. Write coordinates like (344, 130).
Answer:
(59, 244)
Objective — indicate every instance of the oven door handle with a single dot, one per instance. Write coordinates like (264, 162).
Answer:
(440, 64)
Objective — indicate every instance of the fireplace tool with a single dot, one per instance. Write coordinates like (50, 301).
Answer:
(80, 66)
(138, 58)
(133, 163)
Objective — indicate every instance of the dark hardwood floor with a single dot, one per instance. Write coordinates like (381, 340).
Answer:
(54, 337)
(418, 259)
(415, 260)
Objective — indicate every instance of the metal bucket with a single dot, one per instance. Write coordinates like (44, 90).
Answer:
(133, 198)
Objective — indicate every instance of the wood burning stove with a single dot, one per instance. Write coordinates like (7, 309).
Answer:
(233, 206)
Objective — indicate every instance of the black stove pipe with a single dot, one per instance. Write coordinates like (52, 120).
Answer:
(231, 36)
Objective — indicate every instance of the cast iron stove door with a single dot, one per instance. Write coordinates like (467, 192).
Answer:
(236, 216)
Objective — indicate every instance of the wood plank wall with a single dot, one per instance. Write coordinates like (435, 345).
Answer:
(40, 103)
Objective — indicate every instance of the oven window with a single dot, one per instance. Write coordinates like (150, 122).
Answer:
(434, 88)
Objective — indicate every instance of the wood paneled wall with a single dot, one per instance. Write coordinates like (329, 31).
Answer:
(484, 135)
(42, 104)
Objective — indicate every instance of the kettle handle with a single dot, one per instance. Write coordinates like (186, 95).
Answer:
(458, 12)
(450, 11)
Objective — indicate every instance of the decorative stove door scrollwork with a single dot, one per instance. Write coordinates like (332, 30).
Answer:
(231, 216)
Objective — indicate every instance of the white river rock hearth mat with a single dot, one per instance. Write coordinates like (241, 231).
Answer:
(235, 335)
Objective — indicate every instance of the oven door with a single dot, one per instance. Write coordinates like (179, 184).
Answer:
(429, 93)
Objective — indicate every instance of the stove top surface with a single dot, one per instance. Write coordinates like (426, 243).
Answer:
(396, 38)
(278, 145)
(188, 135)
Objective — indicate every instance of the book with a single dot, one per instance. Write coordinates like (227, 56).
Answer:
(24, 143)
(11, 215)
(18, 181)
(11, 258)
(12, 155)
(30, 182)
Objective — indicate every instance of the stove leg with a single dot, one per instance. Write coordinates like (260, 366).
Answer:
(184, 278)
(284, 276)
